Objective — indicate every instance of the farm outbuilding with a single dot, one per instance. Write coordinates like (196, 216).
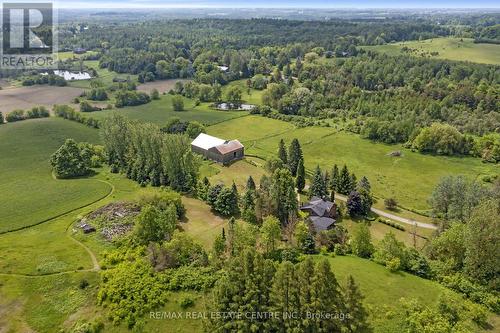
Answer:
(218, 150)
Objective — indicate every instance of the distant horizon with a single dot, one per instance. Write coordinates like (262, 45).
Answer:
(279, 4)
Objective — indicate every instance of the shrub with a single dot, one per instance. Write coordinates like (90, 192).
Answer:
(391, 203)
(178, 103)
(393, 264)
(16, 115)
(38, 112)
(186, 302)
(83, 284)
(87, 107)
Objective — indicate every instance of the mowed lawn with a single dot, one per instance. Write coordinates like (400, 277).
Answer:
(448, 48)
(160, 111)
(28, 192)
(410, 178)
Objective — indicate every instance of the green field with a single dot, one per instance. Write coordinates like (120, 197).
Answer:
(448, 48)
(29, 193)
(251, 96)
(160, 111)
(103, 75)
(410, 179)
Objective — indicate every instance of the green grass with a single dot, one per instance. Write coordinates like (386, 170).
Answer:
(201, 223)
(160, 111)
(237, 172)
(251, 96)
(383, 289)
(448, 48)
(29, 192)
(410, 179)
(103, 75)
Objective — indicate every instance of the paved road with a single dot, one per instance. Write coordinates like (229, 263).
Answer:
(394, 217)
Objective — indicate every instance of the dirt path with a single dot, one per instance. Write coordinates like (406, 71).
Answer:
(95, 263)
(394, 217)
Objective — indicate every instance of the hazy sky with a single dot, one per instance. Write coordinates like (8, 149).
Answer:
(278, 4)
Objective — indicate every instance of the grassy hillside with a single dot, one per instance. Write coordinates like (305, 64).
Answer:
(447, 48)
(29, 192)
(160, 111)
(410, 178)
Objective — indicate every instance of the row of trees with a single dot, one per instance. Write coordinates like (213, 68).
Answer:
(147, 155)
(19, 115)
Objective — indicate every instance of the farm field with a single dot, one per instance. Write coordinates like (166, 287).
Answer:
(24, 98)
(448, 48)
(160, 111)
(389, 176)
(29, 193)
(161, 85)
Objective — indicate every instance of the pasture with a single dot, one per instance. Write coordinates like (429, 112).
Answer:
(29, 193)
(459, 49)
(160, 111)
(410, 178)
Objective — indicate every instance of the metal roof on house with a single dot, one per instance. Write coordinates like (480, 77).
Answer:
(205, 141)
(229, 147)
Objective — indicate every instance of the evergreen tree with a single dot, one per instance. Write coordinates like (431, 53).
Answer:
(366, 201)
(282, 152)
(318, 186)
(305, 276)
(353, 182)
(235, 198)
(284, 297)
(332, 195)
(301, 176)
(355, 204)
(344, 182)
(1, 118)
(334, 181)
(294, 156)
(326, 297)
(283, 195)
(356, 316)
(250, 184)
(249, 204)
(364, 184)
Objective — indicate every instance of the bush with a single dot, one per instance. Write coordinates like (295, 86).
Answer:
(393, 264)
(87, 107)
(16, 115)
(83, 284)
(38, 112)
(178, 103)
(391, 204)
(186, 302)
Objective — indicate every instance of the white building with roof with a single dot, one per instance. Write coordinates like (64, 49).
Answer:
(218, 150)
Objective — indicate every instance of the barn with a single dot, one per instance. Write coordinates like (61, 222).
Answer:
(218, 150)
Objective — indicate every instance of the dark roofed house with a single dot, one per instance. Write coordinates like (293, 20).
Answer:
(322, 213)
(218, 150)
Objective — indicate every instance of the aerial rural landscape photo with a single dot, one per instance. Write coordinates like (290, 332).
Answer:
(283, 166)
